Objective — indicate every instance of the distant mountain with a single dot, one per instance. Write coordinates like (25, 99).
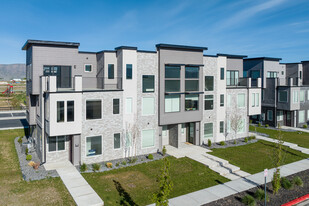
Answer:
(12, 71)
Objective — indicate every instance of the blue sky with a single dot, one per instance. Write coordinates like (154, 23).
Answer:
(276, 28)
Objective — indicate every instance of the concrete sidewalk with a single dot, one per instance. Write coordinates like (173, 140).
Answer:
(235, 186)
(80, 190)
(295, 129)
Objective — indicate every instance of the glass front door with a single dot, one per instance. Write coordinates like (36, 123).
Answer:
(190, 132)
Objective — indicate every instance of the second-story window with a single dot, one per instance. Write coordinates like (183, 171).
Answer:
(221, 100)
(192, 78)
(115, 106)
(88, 68)
(209, 83)
(60, 111)
(148, 83)
(172, 78)
(129, 72)
(241, 100)
(271, 74)
(295, 96)
(191, 102)
(222, 73)
(110, 71)
(93, 109)
(70, 111)
(232, 78)
(283, 96)
(209, 102)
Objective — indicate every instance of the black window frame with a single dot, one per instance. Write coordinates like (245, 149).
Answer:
(95, 114)
(129, 71)
(119, 136)
(221, 73)
(70, 111)
(150, 79)
(116, 106)
(209, 79)
(111, 71)
(60, 111)
(221, 127)
(208, 101)
(221, 100)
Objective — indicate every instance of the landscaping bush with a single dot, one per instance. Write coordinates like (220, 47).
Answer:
(246, 139)
(109, 165)
(96, 167)
(123, 162)
(260, 195)
(20, 140)
(222, 143)
(298, 181)
(164, 151)
(132, 160)
(29, 157)
(286, 184)
(235, 142)
(150, 156)
(117, 164)
(83, 167)
(26, 151)
(252, 137)
(305, 126)
(266, 125)
(209, 143)
(259, 124)
(248, 200)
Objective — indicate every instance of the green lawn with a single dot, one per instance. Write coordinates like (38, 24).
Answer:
(135, 185)
(14, 190)
(255, 157)
(301, 139)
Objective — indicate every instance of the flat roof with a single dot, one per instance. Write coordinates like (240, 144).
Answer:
(232, 56)
(264, 58)
(184, 47)
(31, 42)
(126, 47)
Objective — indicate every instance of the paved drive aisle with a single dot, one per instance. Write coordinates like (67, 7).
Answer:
(78, 187)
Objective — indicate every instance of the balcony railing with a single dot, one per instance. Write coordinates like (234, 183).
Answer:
(290, 81)
(98, 83)
(243, 82)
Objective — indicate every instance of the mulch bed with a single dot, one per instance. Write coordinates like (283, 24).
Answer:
(282, 197)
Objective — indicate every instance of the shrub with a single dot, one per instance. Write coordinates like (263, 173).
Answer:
(29, 157)
(96, 167)
(266, 125)
(109, 165)
(259, 124)
(117, 164)
(305, 126)
(260, 195)
(132, 160)
(164, 151)
(286, 184)
(248, 200)
(253, 137)
(20, 140)
(209, 143)
(123, 162)
(150, 156)
(26, 151)
(298, 181)
(222, 143)
(246, 139)
(235, 142)
(83, 167)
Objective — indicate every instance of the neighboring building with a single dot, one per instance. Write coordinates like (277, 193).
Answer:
(285, 96)
(96, 106)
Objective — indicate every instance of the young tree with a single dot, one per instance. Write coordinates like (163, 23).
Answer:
(165, 185)
(277, 161)
(236, 122)
(130, 138)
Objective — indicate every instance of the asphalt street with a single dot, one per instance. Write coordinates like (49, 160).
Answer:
(11, 123)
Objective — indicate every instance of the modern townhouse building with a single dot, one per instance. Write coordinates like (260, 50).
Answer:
(90, 107)
(285, 96)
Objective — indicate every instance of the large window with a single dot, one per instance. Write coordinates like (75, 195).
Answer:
(93, 109)
(192, 78)
(111, 71)
(279, 115)
(148, 106)
(222, 73)
(172, 85)
(172, 78)
(241, 100)
(269, 115)
(93, 145)
(221, 100)
(232, 78)
(301, 116)
(63, 74)
(148, 138)
(209, 83)
(272, 74)
(172, 72)
(255, 101)
(172, 103)
(56, 143)
(191, 102)
(221, 126)
(302, 96)
(209, 102)
(208, 130)
(88, 68)
(283, 96)
(129, 71)
(295, 96)
(115, 106)
(148, 83)
(60, 111)
(242, 124)
(129, 105)
(117, 141)
(70, 111)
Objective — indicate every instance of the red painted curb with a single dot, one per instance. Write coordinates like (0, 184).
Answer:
(298, 200)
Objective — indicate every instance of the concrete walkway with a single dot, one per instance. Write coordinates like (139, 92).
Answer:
(197, 153)
(288, 144)
(80, 190)
(235, 186)
(295, 129)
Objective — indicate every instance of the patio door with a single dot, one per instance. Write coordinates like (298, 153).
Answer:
(190, 127)
(288, 121)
